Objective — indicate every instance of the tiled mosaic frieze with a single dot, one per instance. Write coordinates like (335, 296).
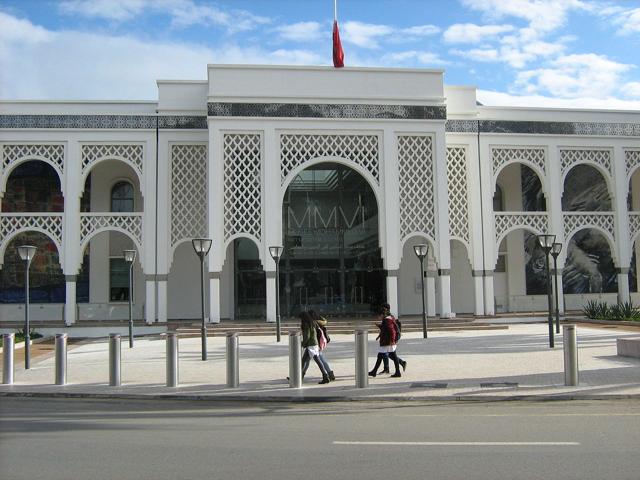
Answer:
(506, 222)
(50, 223)
(458, 200)
(188, 192)
(90, 223)
(574, 221)
(631, 160)
(544, 128)
(569, 158)
(321, 110)
(417, 196)
(132, 154)
(295, 150)
(104, 121)
(531, 155)
(242, 156)
(12, 153)
(634, 226)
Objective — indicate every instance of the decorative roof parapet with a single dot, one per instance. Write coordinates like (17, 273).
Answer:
(104, 121)
(544, 128)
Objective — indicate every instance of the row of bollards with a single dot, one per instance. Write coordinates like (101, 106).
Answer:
(233, 360)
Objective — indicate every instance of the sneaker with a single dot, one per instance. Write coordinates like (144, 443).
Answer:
(396, 375)
(323, 381)
(403, 364)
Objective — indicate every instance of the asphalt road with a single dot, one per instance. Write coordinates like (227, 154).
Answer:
(77, 439)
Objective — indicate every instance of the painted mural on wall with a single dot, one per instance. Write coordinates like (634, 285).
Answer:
(589, 266)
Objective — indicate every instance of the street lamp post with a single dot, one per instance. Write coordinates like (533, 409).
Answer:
(26, 252)
(129, 257)
(546, 242)
(202, 247)
(421, 252)
(275, 253)
(555, 251)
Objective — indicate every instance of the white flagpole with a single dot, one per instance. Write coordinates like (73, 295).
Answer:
(335, 10)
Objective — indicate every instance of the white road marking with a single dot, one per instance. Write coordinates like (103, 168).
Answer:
(463, 444)
(521, 415)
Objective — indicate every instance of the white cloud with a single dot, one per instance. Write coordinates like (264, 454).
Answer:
(183, 13)
(479, 54)
(628, 21)
(420, 31)
(472, 33)
(411, 57)
(81, 65)
(364, 35)
(631, 89)
(501, 99)
(300, 32)
(574, 76)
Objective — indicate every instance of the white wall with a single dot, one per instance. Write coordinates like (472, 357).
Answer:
(183, 286)
(462, 291)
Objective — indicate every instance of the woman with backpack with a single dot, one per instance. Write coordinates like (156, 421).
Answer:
(323, 340)
(310, 344)
(388, 337)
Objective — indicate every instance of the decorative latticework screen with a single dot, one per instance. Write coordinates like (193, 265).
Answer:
(569, 158)
(458, 199)
(242, 185)
(50, 223)
(631, 160)
(506, 222)
(131, 154)
(295, 150)
(188, 192)
(634, 226)
(529, 155)
(574, 221)
(12, 153)
(93, 222)
(417, 204)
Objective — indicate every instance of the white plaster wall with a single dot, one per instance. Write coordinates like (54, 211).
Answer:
(462, 290)
(183, 286)
(409, 287)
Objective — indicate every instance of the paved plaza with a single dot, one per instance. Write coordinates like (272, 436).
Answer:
(513, 363)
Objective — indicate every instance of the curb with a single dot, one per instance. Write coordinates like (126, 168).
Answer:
(322, 399)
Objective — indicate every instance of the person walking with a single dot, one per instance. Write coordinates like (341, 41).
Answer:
(388, 338)
(310, 344)
(323, 341)
(398, 326)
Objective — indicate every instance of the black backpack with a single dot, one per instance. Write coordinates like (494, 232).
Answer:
(398, 328)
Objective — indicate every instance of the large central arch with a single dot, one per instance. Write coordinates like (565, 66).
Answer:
(330, 228)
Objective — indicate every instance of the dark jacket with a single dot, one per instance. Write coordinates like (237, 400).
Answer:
(388, 333)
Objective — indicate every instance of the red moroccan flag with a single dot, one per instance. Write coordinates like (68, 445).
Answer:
(338, 54)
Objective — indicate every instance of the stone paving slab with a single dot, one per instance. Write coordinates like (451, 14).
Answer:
(474, 365)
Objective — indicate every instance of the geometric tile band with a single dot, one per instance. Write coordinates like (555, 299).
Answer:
(188, 192)
(295, 150)
(544, 128)
(417, 199)
(242, 159)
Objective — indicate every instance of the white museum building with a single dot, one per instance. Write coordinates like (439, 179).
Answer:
(347, 169)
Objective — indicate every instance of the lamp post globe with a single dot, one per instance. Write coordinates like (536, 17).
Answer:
(546, 243)
(129, 258)
(202, 246)
(26, 252)
(276, 253)
(422, 250)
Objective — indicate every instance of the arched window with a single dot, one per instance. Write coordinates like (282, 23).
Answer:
(122, 197)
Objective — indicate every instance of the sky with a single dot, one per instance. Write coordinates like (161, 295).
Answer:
(547, 53)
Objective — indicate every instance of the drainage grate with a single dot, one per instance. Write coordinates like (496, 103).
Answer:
(498, 384)
(428, 385)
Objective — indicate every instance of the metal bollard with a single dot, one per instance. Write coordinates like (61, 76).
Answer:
(61, 359)
(233, 361)
(362, 358)
(295, 360)
(570, 345)
(8, 351)
(114, 359)
(172, 359)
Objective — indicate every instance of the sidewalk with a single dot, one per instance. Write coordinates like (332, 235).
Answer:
(510, 364)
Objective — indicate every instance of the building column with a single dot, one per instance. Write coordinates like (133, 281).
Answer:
(212, 285)
(489, 299)
(162, 301)
(557, 276)
(70, 305)
(444, 281)
(271, 296)
(623, 242)
(478, 290)
(430, 285)
(150, 299)
(392, 290)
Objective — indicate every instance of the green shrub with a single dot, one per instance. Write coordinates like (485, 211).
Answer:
(597, 310)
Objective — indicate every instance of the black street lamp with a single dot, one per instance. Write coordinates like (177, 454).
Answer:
(202, 246)
(26, 252)
(421, 252)
(275, 253)
(129, 257)
(556, 248)
(546, 242)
